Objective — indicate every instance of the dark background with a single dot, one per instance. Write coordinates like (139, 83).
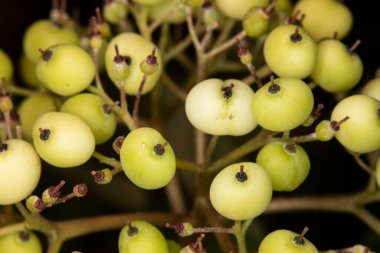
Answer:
(333, 170)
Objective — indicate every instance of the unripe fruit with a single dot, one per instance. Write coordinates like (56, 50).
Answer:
(65, 69)
(372, 88)
(33, 107)
(141, 236)
(256, 22)
(20, 242)
(136, 49)
(361, 132)
(221, 107)
(92, 110)
(323, 18)
(286, 241)
(377, 172)
(173, 246)
(287, 164)
(28, 74)
(156, 11)
(147, 158)
(6, 69)
(147, 2)
(290, 52)
(282, 104)
(241, 191)
(115, 11)
(337, 69)
(63, 140)
(20, 170)
(44, 34)
(236, 9)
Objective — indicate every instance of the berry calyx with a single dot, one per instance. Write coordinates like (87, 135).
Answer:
(150, 64)
(227, 91)
(44, 134)
(241, 176)
(296, 36)
(46, 54)
(51, 194)
(159, 149)
(35, 204)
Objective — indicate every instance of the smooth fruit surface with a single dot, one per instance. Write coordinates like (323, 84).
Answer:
(20, 242)
(236, 9)
(63, 140)
(67, 71)
(336, 69)
(239, 197)
(33, 107)
(141, 236)
(6, 64)
(27, 70)
(323, 18)
(20, 170)
(43, 34)
(136, 48)
(284, 241)
(221, 107)
(147, 158)
(92, 110)
(290, 52)
(287, 164)
(361, 132)
(158, 10)
(284, 105)
(372, 88)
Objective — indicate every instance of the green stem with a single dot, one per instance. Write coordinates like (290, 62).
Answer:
(240, 236)
(106, 160)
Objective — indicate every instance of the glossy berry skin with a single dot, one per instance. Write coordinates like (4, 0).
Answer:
(158, 10)
(255, 22)
(43, 34)
(20, 242)
(323, 18)
(290, 51)
(372, 88)
(20, 171)
(144, 238)
(63, 140)
(287, 164)
(238, 199)
(33, 107)
(361, 132)
(220, 107)
(136, 48)
(92, 110)
(336, 69)
(68, 71)
(282, 107)
(284, 241)
(236, 9)
(6, 64)
(143, 164)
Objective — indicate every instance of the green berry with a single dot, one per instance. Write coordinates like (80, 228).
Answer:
(256, 22)
(237, 9)
(6, 70)
(147, 158)
(20, 242)
(235, 188)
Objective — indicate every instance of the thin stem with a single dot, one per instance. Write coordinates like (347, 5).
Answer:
(227, 28)
(178, 48)
(363, 165)
(175, 196)
(191, 29)
(221, 230)
(262, 72)
(188, 166)
(211, 147)
(159, 21)
(12, 228)
(253, 72)
(106, 160)
(226, 45)
(173, 88)
(135, 114)
(8, 124)
(16, 90)
(240, 236)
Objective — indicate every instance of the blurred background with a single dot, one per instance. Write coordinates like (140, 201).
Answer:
(333, 170)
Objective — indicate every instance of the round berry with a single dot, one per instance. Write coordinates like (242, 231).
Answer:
(95, 112)
(147, 158)
(361, 132)
(65, 69)
(221, 107)
(282, 104)
(20, 242)
(6, 70)
(236, 9)
(63, 140)
(287, 164)
(20, 170)
(241, 191)
(372, 88)
(141, 236)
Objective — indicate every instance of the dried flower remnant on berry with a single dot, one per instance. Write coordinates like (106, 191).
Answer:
(241, 176)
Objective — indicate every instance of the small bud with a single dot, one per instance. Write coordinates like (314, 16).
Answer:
(52, 194)
(103, 176)
(96, 41)
(6, 104)
(149, 65)
(324, 131)
(210, 14)
(183, 229)
(34, 204)
(120, 65)
(117, 144)
(80, 190)
(244, 54)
